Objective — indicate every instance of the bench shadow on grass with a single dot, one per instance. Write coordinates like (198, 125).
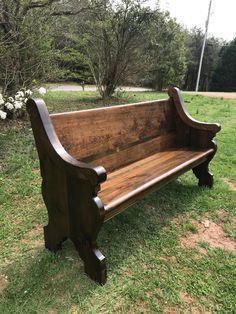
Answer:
(53, 278)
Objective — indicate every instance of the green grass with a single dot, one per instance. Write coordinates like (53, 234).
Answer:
(148, 269)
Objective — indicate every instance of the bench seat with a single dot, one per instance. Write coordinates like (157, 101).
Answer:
(125, 185)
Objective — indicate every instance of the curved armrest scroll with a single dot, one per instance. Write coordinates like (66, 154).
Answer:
(175, 94)
(48, 142)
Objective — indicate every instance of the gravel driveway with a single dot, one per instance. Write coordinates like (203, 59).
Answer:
(92, 88)
(74, 88)
(215, 94)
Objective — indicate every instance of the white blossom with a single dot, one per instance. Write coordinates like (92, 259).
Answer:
(19, 98)
(9, 106)
(20, 93)
(28, 92)
(11, 99)
(3, 114)
(1, 100)
(18, 104)
(42, 91)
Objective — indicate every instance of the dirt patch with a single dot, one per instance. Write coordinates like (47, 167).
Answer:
(40, 205)
(36, 170)
(171, 310)
(52, 312)
(171, 259)
(127, 273)
(77, 285)
(221, 213)
(74, 310)
(141, 307)
(36, 231)
(230, 183)
(213, 234)
(32, 244)
(149, 293)
(176, 221)
(190, 304)
(17, 221)
(186, 298)
(32, 237)
(57, 278)
(189, 310)
(3, 284)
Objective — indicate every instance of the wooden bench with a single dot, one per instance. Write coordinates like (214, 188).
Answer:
(96, 163)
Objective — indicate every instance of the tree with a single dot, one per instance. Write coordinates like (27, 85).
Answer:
(165, 51)
(194, 42)
(26, 41)
(224, 77)
(70, 57)
(112, 35)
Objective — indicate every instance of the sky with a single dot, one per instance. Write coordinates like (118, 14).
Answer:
(194, 13)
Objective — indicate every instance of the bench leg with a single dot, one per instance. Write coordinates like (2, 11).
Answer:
(204, 176)
(94, 261)
(86, 216)
(56, 232)
(53, 238)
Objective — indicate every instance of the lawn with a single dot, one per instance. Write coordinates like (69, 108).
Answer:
(157, 258)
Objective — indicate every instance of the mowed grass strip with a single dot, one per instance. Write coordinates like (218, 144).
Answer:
(158, 256)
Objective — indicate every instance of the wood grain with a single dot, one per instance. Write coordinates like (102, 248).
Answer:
(177, 98)
(94, 135)
(128, 182)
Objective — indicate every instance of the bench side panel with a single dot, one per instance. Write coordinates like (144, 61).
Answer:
(116, 136)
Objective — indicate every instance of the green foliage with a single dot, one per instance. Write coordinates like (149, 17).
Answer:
(224, 78)
(166, 52)
(127, 43)
(25, 46)
(194, 42)
(112, 34)
(71, 60)
(130, 44)
(104, 42)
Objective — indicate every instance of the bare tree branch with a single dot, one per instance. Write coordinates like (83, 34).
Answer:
(69, 12)
(40, 4)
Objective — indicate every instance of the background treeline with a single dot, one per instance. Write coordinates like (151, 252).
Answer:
(107, 43)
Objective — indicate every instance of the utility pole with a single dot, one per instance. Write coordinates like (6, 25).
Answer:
(203, 47)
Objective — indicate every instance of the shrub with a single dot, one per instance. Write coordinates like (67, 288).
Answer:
(13, 107)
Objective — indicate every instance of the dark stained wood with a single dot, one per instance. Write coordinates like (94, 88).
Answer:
(128, 182)
(175, 94)
(57, 229)
(195, 134)
(69, 189)
(102, 135)
(136, 152)
(142, 147)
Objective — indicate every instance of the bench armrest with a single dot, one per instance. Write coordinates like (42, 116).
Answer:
(175, 94)
(48, 143)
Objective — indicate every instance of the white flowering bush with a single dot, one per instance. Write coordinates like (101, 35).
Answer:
(14, 106)
(42, 91)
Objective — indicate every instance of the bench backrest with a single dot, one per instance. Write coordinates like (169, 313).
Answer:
(116, 136)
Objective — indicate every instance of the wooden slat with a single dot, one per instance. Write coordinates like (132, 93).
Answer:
(136, 152)
(125, 183)
(107, 135)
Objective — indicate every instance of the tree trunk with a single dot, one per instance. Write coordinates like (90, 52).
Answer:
(108, 90)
